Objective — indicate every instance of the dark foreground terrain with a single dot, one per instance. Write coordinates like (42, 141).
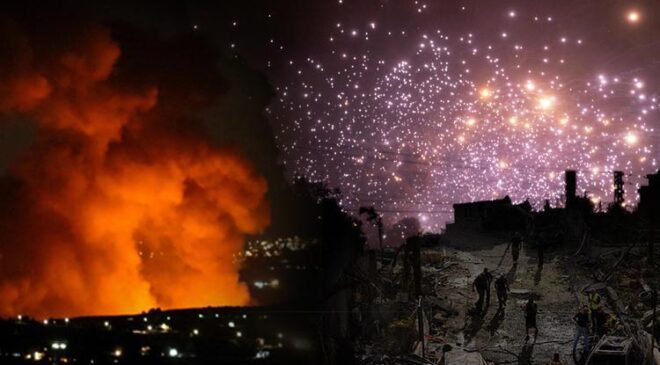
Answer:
(191, 336)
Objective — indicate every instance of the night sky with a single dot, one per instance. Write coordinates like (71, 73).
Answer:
(411, 106)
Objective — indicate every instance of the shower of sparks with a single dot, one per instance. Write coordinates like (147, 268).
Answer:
(460, 116)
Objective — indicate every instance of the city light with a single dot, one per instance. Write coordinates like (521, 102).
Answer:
(172, 352)
(262, 354)
(58, 345)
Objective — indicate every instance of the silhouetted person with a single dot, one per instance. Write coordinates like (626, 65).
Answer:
(599, 319)
(530, 319)
(582, 328)
(516, 242)
(489, 280)
(540, 251)
(482, 284)
(555, 360)
(445, 349)
(502, 289)
(594, 303)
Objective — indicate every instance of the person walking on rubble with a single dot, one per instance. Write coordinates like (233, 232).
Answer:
(502, 289)
(556, 360)
(540, 247)
(516, 243)
(594, 303)
(600, 319)
(582, 328)
(482, 285)
(530, 319)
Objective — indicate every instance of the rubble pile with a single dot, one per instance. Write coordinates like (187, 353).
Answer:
(395, 335)
(623, 275)
(452, 330)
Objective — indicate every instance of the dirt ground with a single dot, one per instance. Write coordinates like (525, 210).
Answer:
(500, 335)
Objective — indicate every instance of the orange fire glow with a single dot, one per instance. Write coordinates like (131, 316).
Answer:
(108, 217)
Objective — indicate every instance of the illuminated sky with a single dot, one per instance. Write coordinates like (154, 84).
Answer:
(412, 105)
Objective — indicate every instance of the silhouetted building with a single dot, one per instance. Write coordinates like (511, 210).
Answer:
(618, 188)
(499, 214)
(570, 177)
(649, 197)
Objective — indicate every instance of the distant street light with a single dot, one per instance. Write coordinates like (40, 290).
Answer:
(58, 346)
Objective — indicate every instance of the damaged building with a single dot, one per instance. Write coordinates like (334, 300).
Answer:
(487, 215)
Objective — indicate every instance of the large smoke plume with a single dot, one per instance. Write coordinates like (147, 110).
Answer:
(119, 203)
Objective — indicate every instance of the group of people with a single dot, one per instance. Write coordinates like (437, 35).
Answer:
(592, 320)
(482, 284)
(516, 245)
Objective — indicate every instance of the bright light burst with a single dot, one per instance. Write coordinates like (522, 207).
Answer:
(459, 117)
(633, 16)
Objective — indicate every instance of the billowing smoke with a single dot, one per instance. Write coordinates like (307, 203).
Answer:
(120, 203)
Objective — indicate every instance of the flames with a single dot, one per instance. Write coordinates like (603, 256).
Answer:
(115, 207)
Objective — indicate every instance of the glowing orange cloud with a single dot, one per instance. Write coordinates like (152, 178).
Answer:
(105, 216)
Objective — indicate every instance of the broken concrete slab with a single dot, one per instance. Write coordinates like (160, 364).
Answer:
(459, 356)
(520, 291)
(445, 307)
